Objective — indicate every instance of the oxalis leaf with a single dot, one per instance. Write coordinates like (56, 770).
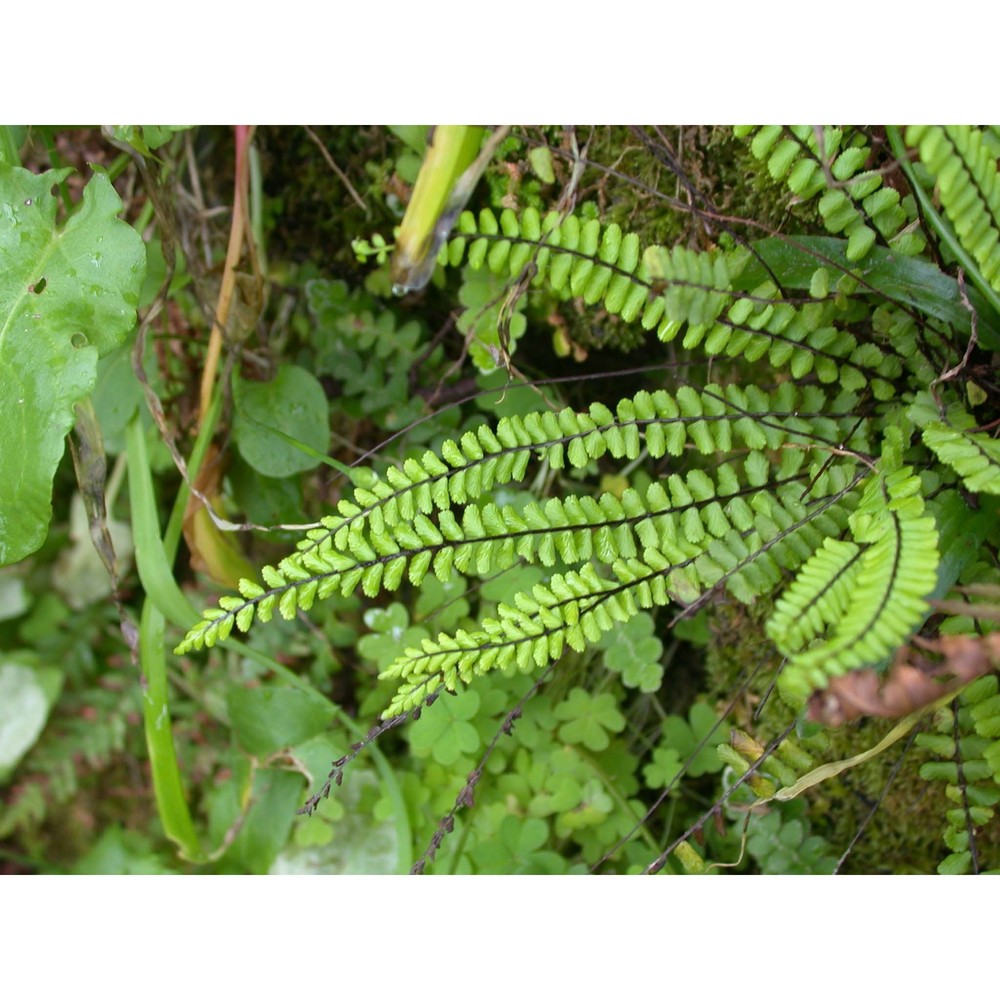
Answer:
(68, 296)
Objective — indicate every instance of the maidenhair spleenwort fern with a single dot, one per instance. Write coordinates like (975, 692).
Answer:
(739, 528)
(868, 592)
(964, 164)
(679, 291)
(832, 165)
(821, 489)
(967, 745)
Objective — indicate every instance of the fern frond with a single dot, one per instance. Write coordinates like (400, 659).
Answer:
(819, 598)
(833, 165)
(599, 263)
(870, 594)
(965, 172)
(404, 526)
(804, 339)
(969, 741)
(975, 456)
(575, 608)
(571, 609)
(677, 290)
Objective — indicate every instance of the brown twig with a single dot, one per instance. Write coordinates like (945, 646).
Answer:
(332, 164)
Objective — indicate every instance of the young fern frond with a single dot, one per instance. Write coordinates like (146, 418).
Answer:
(975, 457)
(965, 173)
(950, 435)
(868, 594)
(833, 165)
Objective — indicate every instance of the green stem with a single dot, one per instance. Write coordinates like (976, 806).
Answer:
(10, 148)
(152, 559)
(257, 206)
(164, 599)
(57, 161)
(167, 784)
(452, 150)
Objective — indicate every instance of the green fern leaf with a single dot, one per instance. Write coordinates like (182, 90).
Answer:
(965, 170)
(871, 593)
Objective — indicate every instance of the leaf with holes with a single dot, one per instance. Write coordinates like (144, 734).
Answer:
(68, 296)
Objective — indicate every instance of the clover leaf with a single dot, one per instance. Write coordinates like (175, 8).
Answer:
(391, 634)
(513, 849)
(442, 603)
(633, 651)
(588, 719)
(444, 731)
(683, 736)
(664, 769)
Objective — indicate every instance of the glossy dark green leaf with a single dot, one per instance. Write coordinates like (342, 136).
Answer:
(907, 280)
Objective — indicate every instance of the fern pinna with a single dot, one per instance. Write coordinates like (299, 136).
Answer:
(817, 488)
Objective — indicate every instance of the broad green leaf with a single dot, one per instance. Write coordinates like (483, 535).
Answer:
(274, 797)
(265, 499)
(116, 396)
(26, 695)
(68, 296)
(282, 426)
(269, 719)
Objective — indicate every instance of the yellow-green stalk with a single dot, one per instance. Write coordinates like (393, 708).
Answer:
(437, 199)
